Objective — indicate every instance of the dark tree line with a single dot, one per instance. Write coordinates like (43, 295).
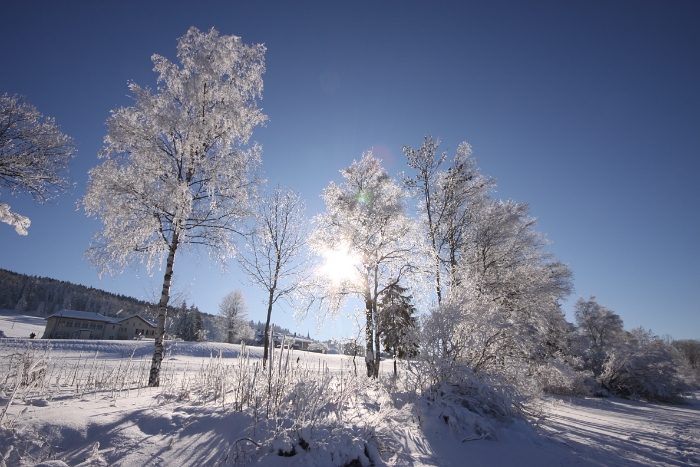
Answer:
(187, 323)
(21, 293)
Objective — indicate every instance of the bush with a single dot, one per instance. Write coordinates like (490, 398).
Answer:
(643, 373)
(469, 406)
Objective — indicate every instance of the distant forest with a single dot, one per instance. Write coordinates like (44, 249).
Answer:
(45, 296)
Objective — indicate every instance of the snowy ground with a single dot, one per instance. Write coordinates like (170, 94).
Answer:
(14, 325)
(108, 419)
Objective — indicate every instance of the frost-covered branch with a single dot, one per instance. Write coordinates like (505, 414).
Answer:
(34, 156)
(274, 256)
(176, 170)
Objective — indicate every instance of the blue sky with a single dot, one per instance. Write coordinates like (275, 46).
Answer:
(588, 111)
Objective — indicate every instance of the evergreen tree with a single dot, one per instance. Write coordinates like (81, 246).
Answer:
(198, 332)
(189, 326)
(397, 323)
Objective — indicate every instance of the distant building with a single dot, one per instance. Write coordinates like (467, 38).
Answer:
(297, 342)
(71, 324)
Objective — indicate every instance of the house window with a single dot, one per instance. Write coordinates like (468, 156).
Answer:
(99, 326)
(84, 325)
(62, 323)
(93, 325)
(69, 324)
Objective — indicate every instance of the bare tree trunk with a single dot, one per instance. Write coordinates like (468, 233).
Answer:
(266, 343)
(369, 335)
(431, 230)
(438, 287)
(271, 300)
(158, 348)
(378, 355)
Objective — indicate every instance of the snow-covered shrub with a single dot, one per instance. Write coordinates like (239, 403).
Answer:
(328, 418)
(561, 375)
(334, 444)
(468, 405)
(296, 408)
(689, 351)
(646, 372)
(26, 373)
(515, 346)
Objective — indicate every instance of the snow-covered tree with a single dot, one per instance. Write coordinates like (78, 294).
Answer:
(68, 302)
(398, 323)
(506, 259)
(602, 328)
(34, 156)
(427, 163)
(368, 240)
(235, 313)
(272, 259)
(503, 315)
(643, 367)
(175, 170)
(462, 195)
(448, 201)
(188, 323)
(690, 349)
(21, 304)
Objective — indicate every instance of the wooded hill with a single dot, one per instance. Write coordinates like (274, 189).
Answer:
(44, 295)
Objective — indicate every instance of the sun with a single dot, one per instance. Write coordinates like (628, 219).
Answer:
(339, 265)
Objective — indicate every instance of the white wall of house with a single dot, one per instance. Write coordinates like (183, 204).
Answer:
(135, 326)
(59, 327)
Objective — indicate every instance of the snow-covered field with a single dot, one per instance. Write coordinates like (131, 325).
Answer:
(90, 407)
(14, 325)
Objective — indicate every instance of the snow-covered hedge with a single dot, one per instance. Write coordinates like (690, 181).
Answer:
(643, 373)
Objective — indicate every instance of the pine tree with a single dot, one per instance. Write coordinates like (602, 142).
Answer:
(397, 323)
(197, 329)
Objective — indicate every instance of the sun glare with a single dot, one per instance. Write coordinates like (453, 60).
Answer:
(339, 265)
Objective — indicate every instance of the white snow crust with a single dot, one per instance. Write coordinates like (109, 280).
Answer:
(138, 426)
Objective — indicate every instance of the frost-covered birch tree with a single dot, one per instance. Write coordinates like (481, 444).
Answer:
(273, 257)
(177, 169)
(34, 156)
(366, 220)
